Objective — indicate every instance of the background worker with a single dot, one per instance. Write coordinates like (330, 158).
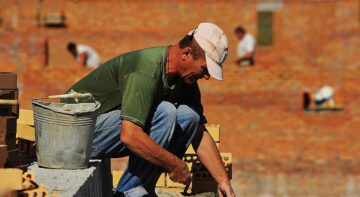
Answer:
(151, 110)
(325, 95)
(84, 55)
(245, 47)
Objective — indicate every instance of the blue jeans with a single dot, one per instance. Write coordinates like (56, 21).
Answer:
(170, 127)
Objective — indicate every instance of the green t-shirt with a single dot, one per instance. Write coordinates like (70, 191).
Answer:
(134, 82)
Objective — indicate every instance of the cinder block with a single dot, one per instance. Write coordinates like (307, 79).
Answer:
(202, 180)
(201, 173)
(93, 181)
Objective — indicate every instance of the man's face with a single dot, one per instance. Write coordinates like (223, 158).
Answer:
(73, 52)
(196, 69)
(240, 35)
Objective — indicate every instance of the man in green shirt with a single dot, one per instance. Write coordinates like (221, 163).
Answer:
(151, 110)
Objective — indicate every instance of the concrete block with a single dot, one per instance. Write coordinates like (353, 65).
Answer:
(94, 181)
(201, 173)
(202, 180)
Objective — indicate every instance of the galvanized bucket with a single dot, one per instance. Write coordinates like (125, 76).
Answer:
(64, 133)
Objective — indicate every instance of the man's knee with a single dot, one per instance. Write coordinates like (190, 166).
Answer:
(165, 110)
(187, 115)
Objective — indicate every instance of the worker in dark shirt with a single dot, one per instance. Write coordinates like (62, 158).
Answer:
(151, 110)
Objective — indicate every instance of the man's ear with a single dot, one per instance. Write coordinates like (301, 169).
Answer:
(186, 53)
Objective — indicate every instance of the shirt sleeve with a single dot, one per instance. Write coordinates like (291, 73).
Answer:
(250, 44)
(138, 95)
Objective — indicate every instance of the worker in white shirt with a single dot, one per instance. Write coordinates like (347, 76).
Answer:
(84, 55)
(245, 48)
(325, 95)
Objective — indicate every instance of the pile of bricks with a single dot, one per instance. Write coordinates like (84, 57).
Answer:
(202, 181)
(10, 155)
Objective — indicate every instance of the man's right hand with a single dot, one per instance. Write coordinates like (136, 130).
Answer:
(180, 173)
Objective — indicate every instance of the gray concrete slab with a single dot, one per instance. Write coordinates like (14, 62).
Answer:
(94, 181)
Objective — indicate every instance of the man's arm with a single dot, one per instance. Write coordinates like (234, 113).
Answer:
(142, 145)
(209, 156)
(82, 58)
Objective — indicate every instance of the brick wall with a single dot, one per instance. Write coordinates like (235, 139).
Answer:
(315, 43)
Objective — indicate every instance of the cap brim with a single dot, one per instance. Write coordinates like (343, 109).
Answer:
(214, 69)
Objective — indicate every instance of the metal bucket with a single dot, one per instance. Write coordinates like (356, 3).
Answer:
(64, 133)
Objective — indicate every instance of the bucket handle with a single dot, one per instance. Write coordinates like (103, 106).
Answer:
(75, 95)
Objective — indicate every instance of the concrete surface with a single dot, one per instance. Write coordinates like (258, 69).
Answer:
(95, 181)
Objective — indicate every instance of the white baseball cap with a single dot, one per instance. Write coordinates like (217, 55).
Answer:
(213, 41)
